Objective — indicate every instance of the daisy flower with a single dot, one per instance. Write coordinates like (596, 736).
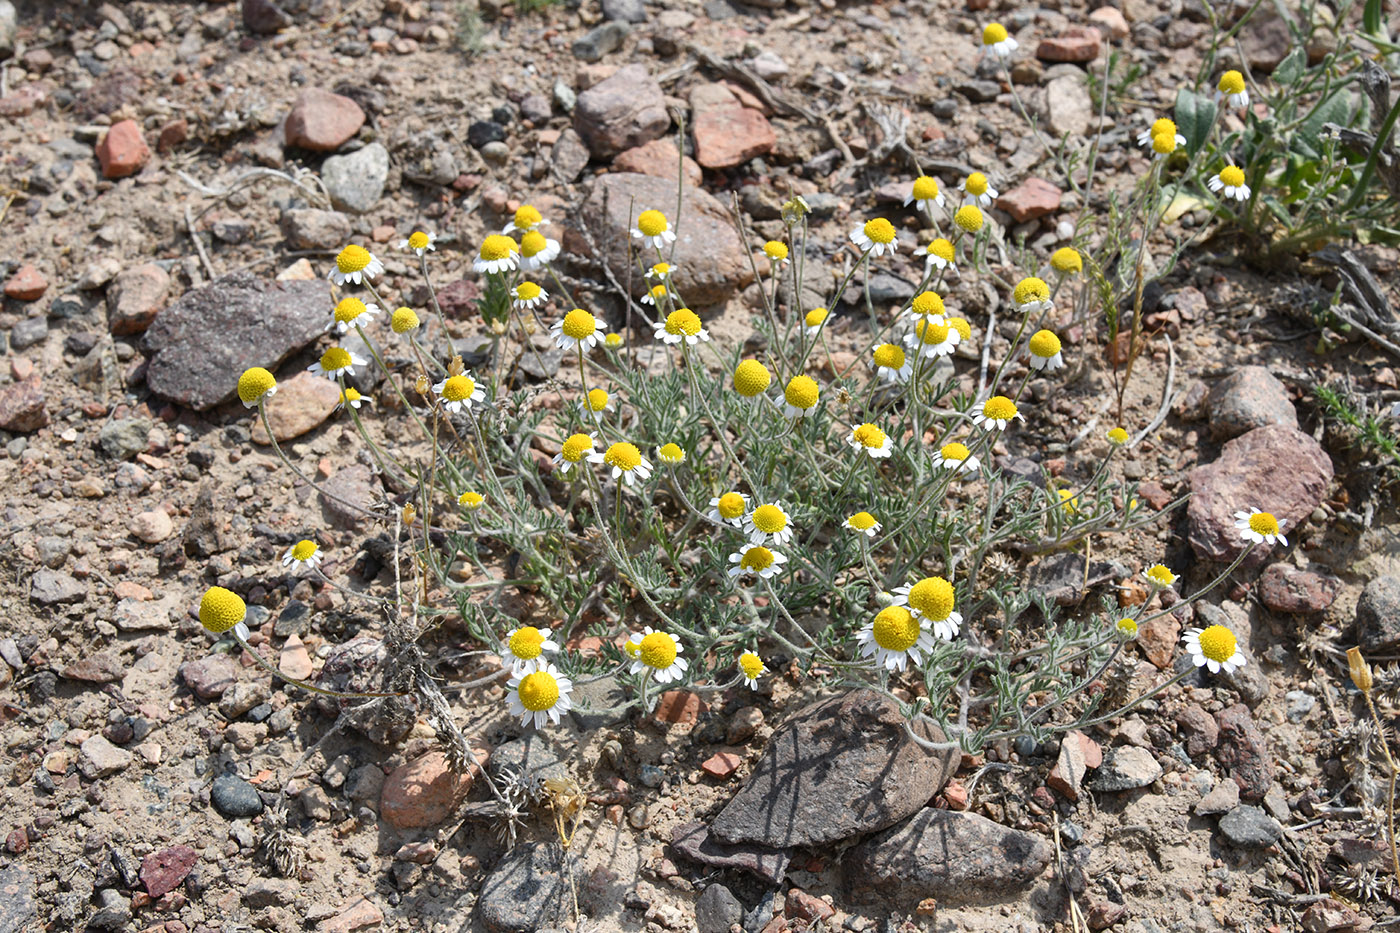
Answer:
(768, 522)
(1160, 576)
(891, 363)
(670, 454)
(658, 652)
(349, 312)
(654, 295)
(894, 638)
(870, 439)
(304, 553)
(680, 324)
(595, 403)
(525, 647)
(932, 598)
(932, 338)
(540, 695)
(925, 194)
(613, 340)
(1260, 527)
(575, 448)
(498, 253)
(526, 218)
(960, 325)
(729, 509)
(537, 250)
(751, 666)
(221, 610)
(977, 191)
(1161, 127)
(996, 413)
(1032, 294)
(471, 500)
(662, 271)
(528, 295)
(578, 329)
(1117, 437)
(1232, 90)
(801, 396)
(876, 237)
(350, 396)
(1066, 261)
(755, 558)
(927, 305)
(862, 523)
(969, 218)
(653, 228)
(1215, 648)
(751, 378)
(1045, 353)
(419, 242)
(403, 320)
(814, 320)
(458, 392)
(626, 461)
(776, 252)
(336, 362)
(939, 254)
(955, 456)
(1127, 627)
(1230, 180)
(996, 41)
(256, 385)
(355, 264)
(1165, 144)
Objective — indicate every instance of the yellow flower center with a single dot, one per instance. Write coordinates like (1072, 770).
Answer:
(1066, 260)
(999, 408)
(526, 644)
(993, 33)
(1231, 176)
(775, 251)
(579, 324)
(769, 519)
(527, 217)
(683, 322)
(1118, 436)
(1164, 144)
(577, 447)
(976, 184)
(1044, 344)
(657, 292)
(889, 356)
(1263, 523)
(1231, 82)
(757, 559)
(1161, 575)
(931, 333)
(1031, 289)
(969, 218)
(1218, 643)
(661, 269)
(730, 505)
(815, 317)
(221, 609)
(303, 550)
(896, 629)
(1163, 126)
(801, 392)
(867, 435)
(1068, 501)
(960, 325)
(943, 249)
(652, 223)
(880, 231)
(861, 521)
(472, 500)
(418, 240)
(925, 188)
(751, 665)
(348, 309)
(933, 596)
(403, 321)
(613, 340)
(926, 303)
(532, 243)
(538, 691)
(624, 456)
(597, 399)
(458, 388)
(658, 650)
(352, 259)
(751, 377)
(335, 359)
(672, 453)
(255, 383)
(1128, 627)
(955, 451)
(497, 246)
(528, 291)
(350, 394)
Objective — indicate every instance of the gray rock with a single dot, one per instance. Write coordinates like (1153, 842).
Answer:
(622, 112)
(124, 438)
(1069, 109)
(564, 96)
(270, 892)
(526, 890)
(17, 908)
(309, 228)
(258, 323)
(1244, 752)
(234, 797)
(51, 587)
(264, 17)
(529, 756)
(625, 11)
(593, 698)
(885, 289)
(949, 855)
(569, 157)
(835, 770)
(1061, 579)
(717, 909)
(28, 332)
(978, 91)
(209, 677)
(113, 912)
(1126, 768)
(536, 107)
(355, 182)
(600, 40)
(427, 159)
(1250, 827)
(355, 491)
(496, 152)
(99, 758)
(695, 842)
(1247, 399)
(1300, 703)
(24, 406)
(1223, 798)
(1378, 616)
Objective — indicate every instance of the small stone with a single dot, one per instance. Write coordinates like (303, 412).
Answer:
(695, 842)
(101, 668)
(1201, 733)
(123, 151)
(99, 758)
(354, 489)
(18, 909)
(1105, 914)
(309, 228)
(322, 121)
(1111, 22)
(1078, 753)
(27, 333)
(364, 914)
(1250, 827)
(135, 298)
(153, 526)
(485, 131)
(125, 438)
(1031, 199)
(245, 695)
(356, 181)
(423, 792)
(26, 284)
(209, 677)
(717, 909)
(1223, 797)
(301, 404)
(722, 765)
(802, 906)
(172, 134)
(621, 112)
(270, 892)
(1069, 107)
(1247, 399)
(726, 133)
(1332, 916)
(165, 870)
(23, 406)
(625, 11)
(600, 40)
(1244, 752)
(743, 725)
(1285, 588)
(660, 159)
(526, 891)
(680, 707)
(52, 587)
(235, 798)
(1126, 768)
(568, 157)
(295, 661)
(1378, 616)
(1076, 44)
(264, 17)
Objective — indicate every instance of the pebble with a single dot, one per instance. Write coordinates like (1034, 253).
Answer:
(235, 798)
(153, 526)
(1030, 200)
(1285, 588)
(568, 157)
(1110, 21)
(209, 677)
(26, 284)
(1300, 703)
(28, 332)
(1250, 827)
(24, 406)
(1248, 398)
(356, 485)
(166, 869)
(695, 842)
(264, 17)
(726, 133)
(100, 758)
(310, 228)
(302, 404)
(717, 909)
(743, 725)
(1126, 768)
(322, 121)
(1076, 44)
(625, 11)
(423, 792)
(123, 151)
(356, 181)
(125, 438)
(1378, 616)
(526, 891)
(1244, 752)
(1078, 754)
(1069, 109)
(1223, 797)
(600, 40)
(52, 587)
(621, 112)
(722, 765)
(295, 661)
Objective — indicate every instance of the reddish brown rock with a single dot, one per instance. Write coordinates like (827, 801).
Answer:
(1285, 588)
(680, 707)
(209, 677)
(423, 792)
(322, 121)
(1155, 495)
(721, 765)
(1078, 753)
(27, 284)
(726, 133)
(123, 151)
(802, 906)
(21, 103)
(621, 112)
(23, 406)
(1032, 198)
(164, 871)
(1157, 640)
(301, 404)
(657, 158)
(359, 916)
(1076, 44)
(1244, 752)
(172, 134)
(1200, 732)
(135, 298)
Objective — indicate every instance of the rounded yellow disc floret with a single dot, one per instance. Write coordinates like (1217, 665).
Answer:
(960, 325)
(1118, 436)
(597, 399)
(931, 333)
(335, 359)
(1163, 127)
(999, 408)
(896, 629)
(861, 521)
(756, 559)
(775, 251)
(1264, 523)
(932, 596)
(880, 231)
(527, 643)
(868, 435)
(683, 322)
(889, 356)
(1066, 260)
(992, 33)
(751, 665)
(925, 188)
(976, 184)
(418, 240)
(532, 243)
(527, 218)
(255, 384)
(352, 259)
(221, 609)
(458, 388)
(303, 550)
(576, 447)
(769, 519)
(348, 309)
(498, 246)
(1232, 176)
(471, 500)
(801, 392)
(671, 453)
(954, 451)
(403, 320)
(1218, 643)
(1031, 289)
(623, 455)
(1127, 627)
(816, 317)
(751, 377)
(943, 249)
(652, 223)
(1231, 82)
(1044, 344)
(527, 291)
(926, 303)
(538, 691)
(658, 651)
(579, 324)
(1164, 144)
(969, 218)
(730, 505)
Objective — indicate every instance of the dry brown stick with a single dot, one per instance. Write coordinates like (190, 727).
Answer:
(198, 244)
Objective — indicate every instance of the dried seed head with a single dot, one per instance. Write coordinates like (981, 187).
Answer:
(421, 385)
(456, 367)
(1360, 670)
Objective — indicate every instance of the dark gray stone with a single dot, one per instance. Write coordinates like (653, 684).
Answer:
(949, 855)
(264, 17)
(234, 797)
(695, 842)
(1378, 615)
(51, 587)
(529, 756)
(17, 908)
(1060, 578)
(28, 332)
(625, 11)
(526, 890)
(1247, 399)
(1250, 827)
(1126, 768)
(592, 701)
(355, 181)
(600, 40)
(835, 770)
(978, 91)
(256, 322)
(717, 909)
(124, 438)
(355, 490)
(485, 131)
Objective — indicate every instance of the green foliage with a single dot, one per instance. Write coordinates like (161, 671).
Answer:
(1374, 436)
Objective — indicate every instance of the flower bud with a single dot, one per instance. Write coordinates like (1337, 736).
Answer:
(1360, 670)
